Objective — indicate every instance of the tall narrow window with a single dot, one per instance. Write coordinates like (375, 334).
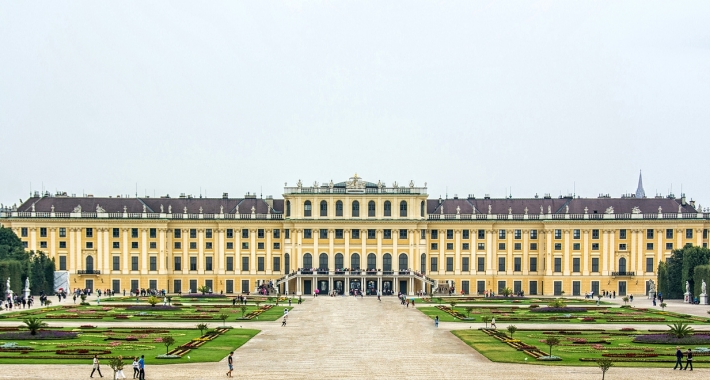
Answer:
(339, 261)
(371, 261)
(421, 211)
(307, 261)
(355, 261)
(288, 208)
(387, 262)
(339, 208)
(371, 209)
(403, 209)
(323, 208)
(307, 208)
(403, 261)
(356, 209)
(323, 261)
(388, 208)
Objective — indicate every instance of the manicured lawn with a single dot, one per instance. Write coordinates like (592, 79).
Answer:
(600, 315)
(144, 312)
(112, 342)
(507, 300)
(616, 343)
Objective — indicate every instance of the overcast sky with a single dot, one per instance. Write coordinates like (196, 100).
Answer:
(470, 97)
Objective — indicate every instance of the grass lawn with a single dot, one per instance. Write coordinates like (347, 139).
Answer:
(101, 341)
(145, 312)
(198, 298)
(601, 315)
(619, 343)
(508, 300)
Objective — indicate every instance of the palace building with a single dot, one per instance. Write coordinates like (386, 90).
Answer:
(359, 235)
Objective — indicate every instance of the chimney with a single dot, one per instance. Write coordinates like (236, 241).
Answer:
(692, 203)
(270, 201)
(682, 200)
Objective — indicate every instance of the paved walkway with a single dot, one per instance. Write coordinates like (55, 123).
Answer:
(353, 338)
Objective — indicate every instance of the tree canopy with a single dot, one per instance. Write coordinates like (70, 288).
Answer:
(679, 268)
(17, 264)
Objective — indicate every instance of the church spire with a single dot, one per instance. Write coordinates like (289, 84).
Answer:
(639, 190)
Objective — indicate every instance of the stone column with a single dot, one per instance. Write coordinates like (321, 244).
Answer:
(585, 253)
(269, 246)
(489, 251)
(457, 251)
(395, 253)
(124, 249)
(549, 261)
(526, 260)
(252, 251)
(633, 253)
(612, 251)
(105, 268)
(144, 251)
(566, 247)
(186, 255)
(380, 264)
(605, 253)
(220, 251)
(99, 248)
(200, 251)
(331, 249)
(509, 253)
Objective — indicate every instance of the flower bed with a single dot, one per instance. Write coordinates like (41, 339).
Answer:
(559, 310)
(670, 339)
(41, 335)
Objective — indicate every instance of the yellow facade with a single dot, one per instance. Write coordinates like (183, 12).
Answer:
(434, 243)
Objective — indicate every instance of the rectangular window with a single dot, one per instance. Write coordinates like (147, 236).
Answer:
(595, 265)
(277, 245)
(688, 233)
(533, 288)
(595, 234)
(434, 264)
(208, 233)
(277, 264)
(533, 264)
(89, 232)
(245, 245)
(43, 232)
(595, 287)
(245, 233)
(558, 234)
(501, 234)
(423, 234)
(230, 263)
(89, 245)
(434, 246)
(177, 233)
(649, 233)
(557, 288)
(622, 247)
(193, 286)
(649, 246)
(481, 246)
(62, 262)
(245, 263)
(669, 246)
(449, 234)
(116, 286)
(669, 233)
(501, 286)
(501, 264)
(153, 233)
(177, 263)
(338, 233)
(576, 288)
(134, 245)
(260, 245)
(245, 286)
(208, 263)
(355, 234)
(449, 264)
(178, 245)
(595, 246)
(576, 246)
(193, 262)
(465, 234)
(307, 233)
(153, 245)
(622, 234)
(387, 234)
(402, 234)
(501, 246)
(517, 234)
(558, 246)
(465, 264)
(533, 234)
(135, 285)
(517, 287)
(230, 245)
(575, 264)
(481, 234)
(449, 246)
(116, 245)
(193, 245)
(193, 233)
(575, 234)
(177, 286)
(134, 262)
(481, 264)
(465, 246)
(153, 263)
(287, 233)
(533, 246)
(518, 246)
(62, 232)
(434, 234)
(134, 233)
(230, 233)
(517, 264)
(116, 263)
(62, 244)
(260, 263)
(558, 264)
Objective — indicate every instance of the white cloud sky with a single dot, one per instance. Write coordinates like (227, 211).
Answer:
(470, 97)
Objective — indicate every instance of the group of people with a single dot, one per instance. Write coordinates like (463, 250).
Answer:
(138, 368)
(679, 359)
(403, 300)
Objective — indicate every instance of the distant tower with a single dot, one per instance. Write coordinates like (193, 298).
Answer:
(639, 190)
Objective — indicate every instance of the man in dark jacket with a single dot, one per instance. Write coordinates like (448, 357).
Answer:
(689, 360)
(678, 358)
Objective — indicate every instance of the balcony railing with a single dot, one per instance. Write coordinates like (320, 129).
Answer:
(622, 274)
(88, 271)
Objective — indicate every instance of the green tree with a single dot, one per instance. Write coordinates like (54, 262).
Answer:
(506, 292)
(203, 289)
(167, 342)
(468, 309)
(663, 306)
(486, 319)
(202, 327)
(557, 302)
(680, 329)
(604, 364)
(223, 316)
(243, 309)
(511, 330)
(153, 300)
(625, 299)
(452, 304)
(33, 324)
(551, 341)
(116, 364)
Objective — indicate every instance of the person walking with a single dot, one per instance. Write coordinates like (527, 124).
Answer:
(493, 323)
(96, 367)
(436, 321)
(678, 358)
(136, 372)
(689, 360)
(283, 324)
(230, 364)
(141, 368)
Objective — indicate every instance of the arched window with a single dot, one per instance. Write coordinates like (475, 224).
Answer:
(355, 261)
(339, 208)
(287, 263)
(307, 261)
(323, 261)
(339, 261)
(307, 208)
(403, 262)
(421, 212)
(356, 209)
(622, 265)
(388, 208)
(387, 262)
(403, 209)
(323, 208)
(89, 264)
(371, 261)
(371, 209)
(423, 263)
(288, 208)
